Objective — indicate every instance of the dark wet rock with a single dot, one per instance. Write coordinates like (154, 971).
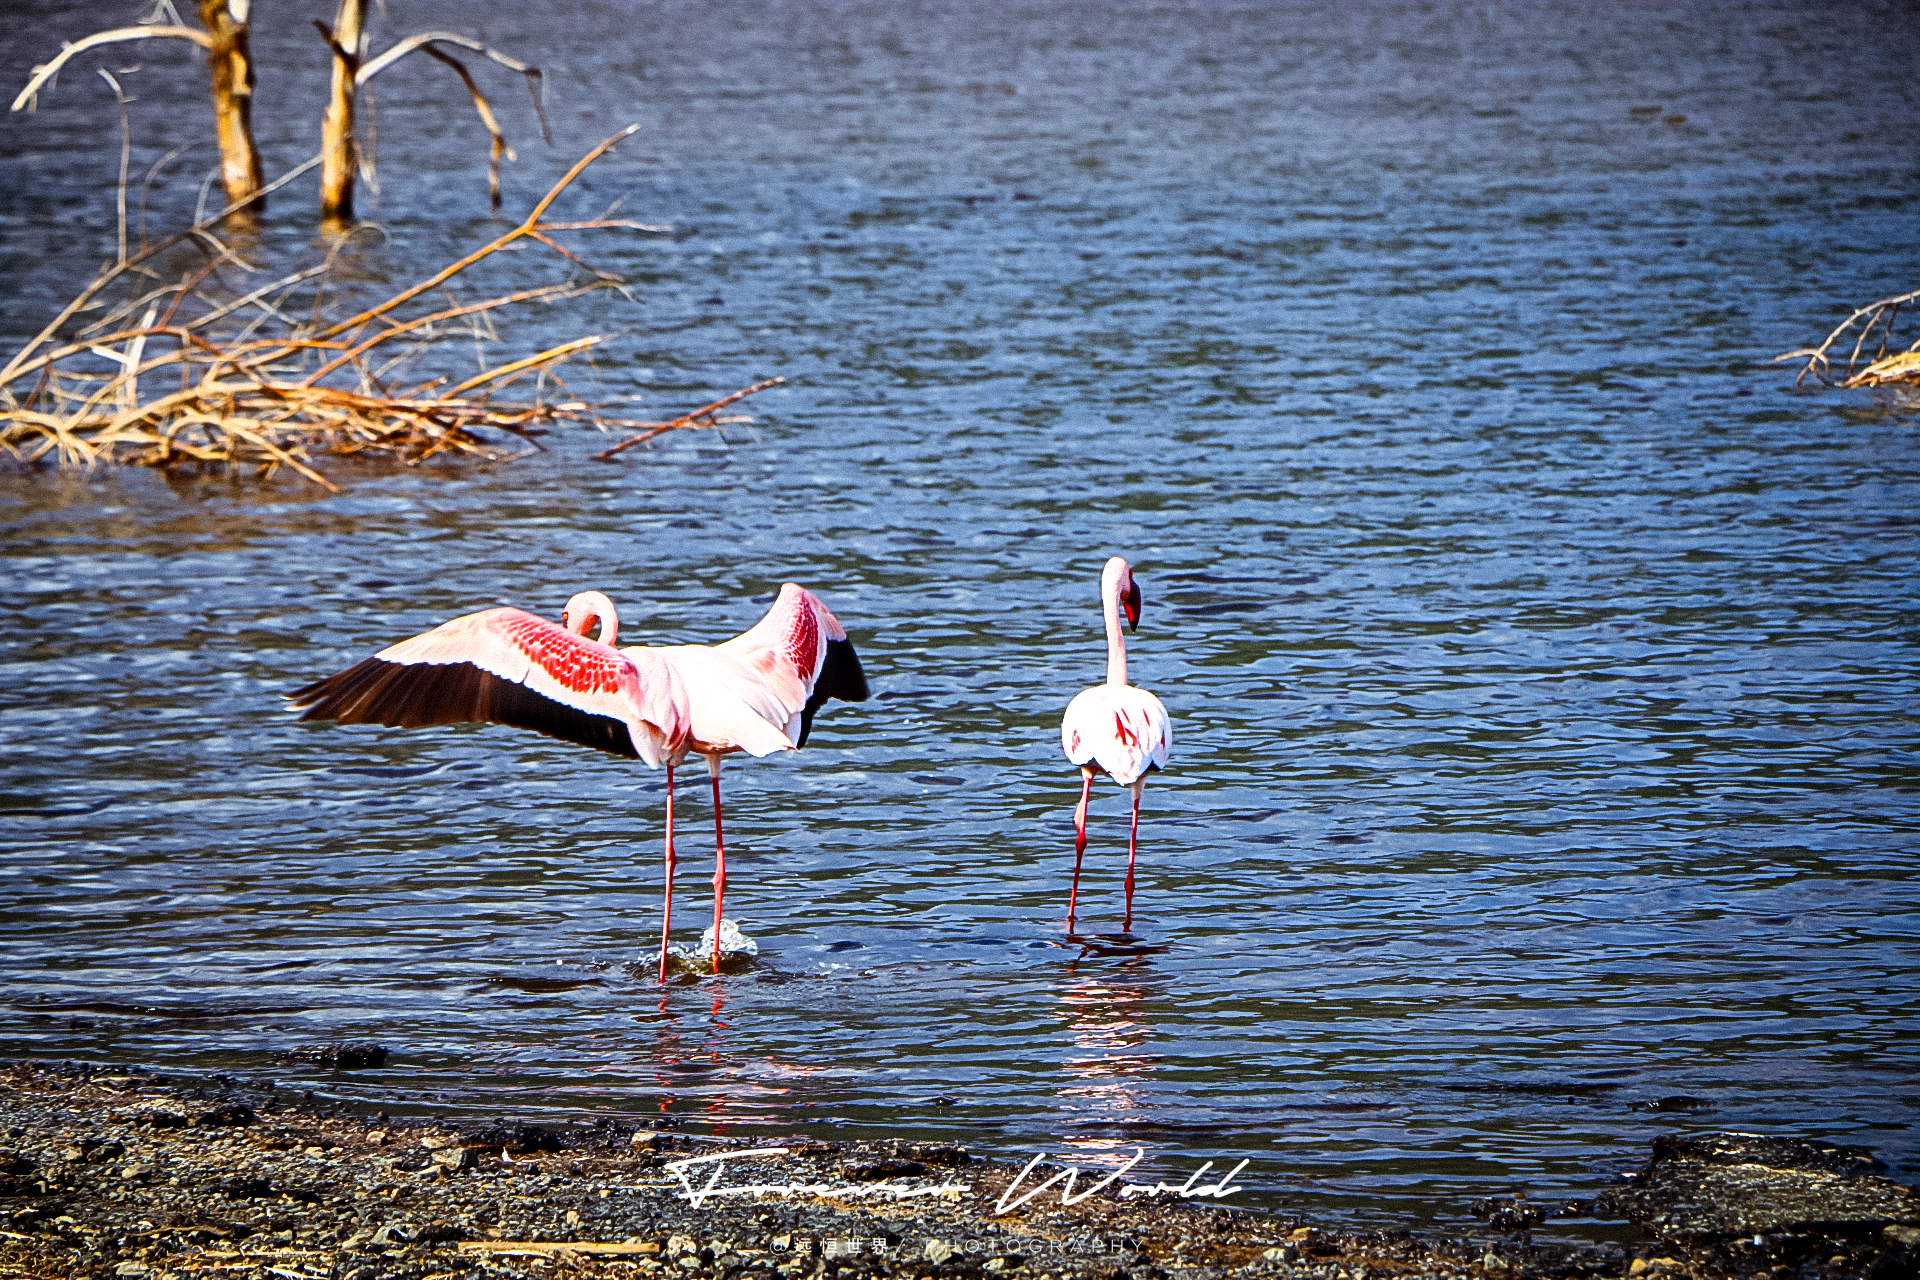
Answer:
(1728, 1185)
(1777, 1153)
(520, 1138)
(243, 1188)
(945, 1155)
(161, 1119)
(1517, 1213)
(343, 1055)
(1509, 1213)
(230, 1113)
(1675, 1102)
(882, 1169)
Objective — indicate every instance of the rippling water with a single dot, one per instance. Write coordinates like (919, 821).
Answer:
(1542, 665)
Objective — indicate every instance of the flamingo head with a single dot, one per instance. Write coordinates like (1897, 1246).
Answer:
(1118, 576)
(587, 608)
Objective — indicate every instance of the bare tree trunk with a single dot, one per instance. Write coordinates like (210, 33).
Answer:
(231, 67)
(336, 130)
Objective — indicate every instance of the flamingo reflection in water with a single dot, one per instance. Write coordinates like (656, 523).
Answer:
(1106, 1075)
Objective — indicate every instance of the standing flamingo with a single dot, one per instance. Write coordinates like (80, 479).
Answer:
(756, 693)
(1113, 727)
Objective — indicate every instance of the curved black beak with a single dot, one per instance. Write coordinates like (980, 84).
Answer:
(1131, 603)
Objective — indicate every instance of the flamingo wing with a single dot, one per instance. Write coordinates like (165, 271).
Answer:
(841, 676)
(1123, 730)
(506, 666)
(802, 654)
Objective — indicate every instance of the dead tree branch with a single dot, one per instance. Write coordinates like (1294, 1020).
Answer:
(181, 376)
(1900, 366)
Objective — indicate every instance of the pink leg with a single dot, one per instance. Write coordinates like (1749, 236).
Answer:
(666, 912)
(1079, 840)
(719, 859)
(1133, 840)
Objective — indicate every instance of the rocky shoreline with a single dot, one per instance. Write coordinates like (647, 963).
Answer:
(116, 1173)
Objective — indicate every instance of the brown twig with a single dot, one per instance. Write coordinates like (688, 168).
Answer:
(126, 153)
(42, 74)
(1874, 312)
(685, 420)
(659, 228)
(499, 145)
(574, 258)
(262, 402)
(560, 352)
(447, 273)
(451, 313)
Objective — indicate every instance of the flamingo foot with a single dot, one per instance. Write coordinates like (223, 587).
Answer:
(735, 947)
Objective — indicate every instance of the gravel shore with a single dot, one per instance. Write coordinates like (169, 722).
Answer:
(113, 1173)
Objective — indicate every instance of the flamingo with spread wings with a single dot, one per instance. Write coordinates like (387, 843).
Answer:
(756, 693)
(1114, 728)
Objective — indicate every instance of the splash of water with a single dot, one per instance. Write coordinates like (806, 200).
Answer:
(734, 943)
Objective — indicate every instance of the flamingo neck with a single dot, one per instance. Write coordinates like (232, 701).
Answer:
(587, 608)
(1116, 637)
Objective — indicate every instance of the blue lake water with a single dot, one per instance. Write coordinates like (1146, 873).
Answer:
(1542, 664)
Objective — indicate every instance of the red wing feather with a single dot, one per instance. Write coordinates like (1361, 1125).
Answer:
(503, 666)
(802, 653)
(415, 695)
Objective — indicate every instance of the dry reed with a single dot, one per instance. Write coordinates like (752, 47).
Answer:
(213, 375)
(1885, 366)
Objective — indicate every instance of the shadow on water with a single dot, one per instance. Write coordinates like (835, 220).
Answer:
(1112, 945)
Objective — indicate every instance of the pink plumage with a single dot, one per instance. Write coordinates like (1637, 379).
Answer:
(506, 666)
(756, 693)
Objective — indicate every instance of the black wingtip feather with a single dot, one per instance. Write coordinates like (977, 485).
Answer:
(841, 677)
(416, 695)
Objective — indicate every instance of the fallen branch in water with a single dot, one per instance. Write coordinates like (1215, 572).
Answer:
(211, 374)
(1897, 366)
(702, 417)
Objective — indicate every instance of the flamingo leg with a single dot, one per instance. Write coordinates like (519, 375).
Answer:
(719, 859)
(1079, 840)
(666, 912)
(1133, 840)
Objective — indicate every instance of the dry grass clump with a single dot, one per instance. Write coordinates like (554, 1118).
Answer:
(214, 374)
(1885, 366)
